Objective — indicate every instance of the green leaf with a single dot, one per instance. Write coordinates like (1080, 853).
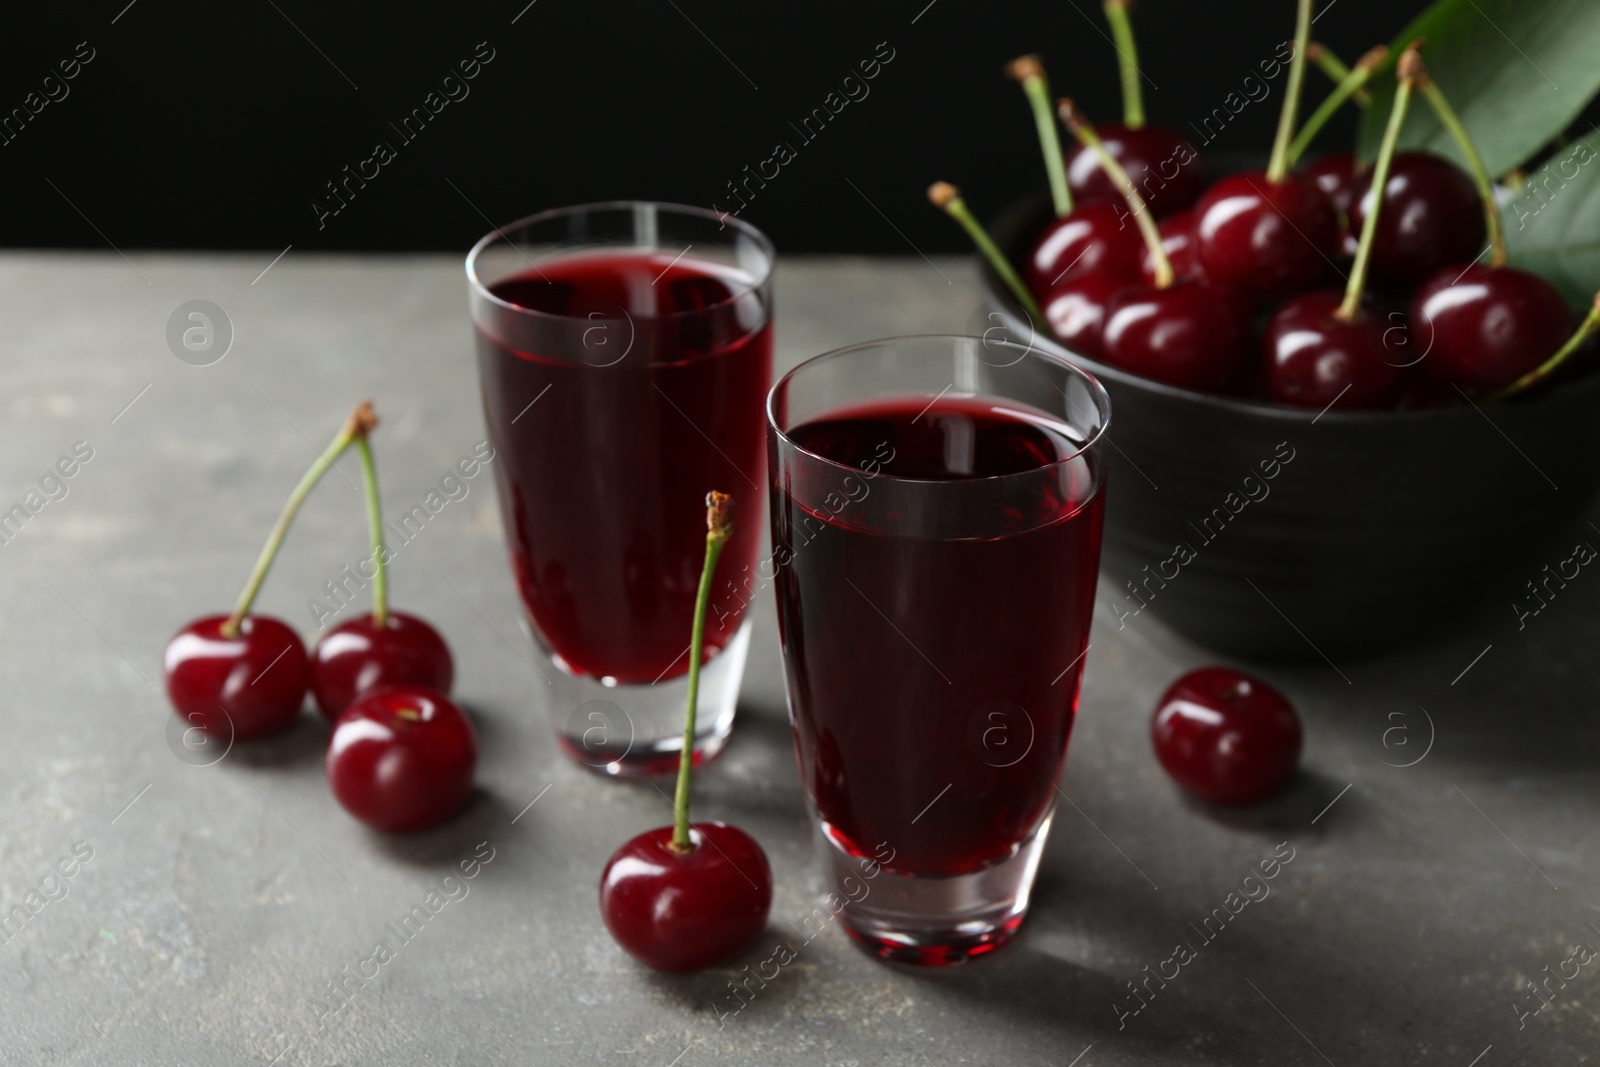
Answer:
(1517, 71)
(1553, 223)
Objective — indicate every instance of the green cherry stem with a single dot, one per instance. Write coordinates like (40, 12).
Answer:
(1408, 71)
(360, 421)
(1586, 329)
(1127, 63)
(1029, 72)
(1480, 174)
(1081, 128)
(1278, 167)
(1348, 86)
(380, 579)
(947, 198)
(719, 527)
(1334, 68)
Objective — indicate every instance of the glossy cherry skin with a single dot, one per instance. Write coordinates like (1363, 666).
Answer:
(1190, 335)
(1177, 241)
(1484, 327)
(686, 913)
(1431, 217)
(1226, 737)
(1270, 239)
(1168, 171)
(1091, 238)
(401, 759)
(1076, 310)
(241, 687)
(1313, 358)
(1336, 176)
(358, 656)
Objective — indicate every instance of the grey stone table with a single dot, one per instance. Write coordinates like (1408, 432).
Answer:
(211, 911)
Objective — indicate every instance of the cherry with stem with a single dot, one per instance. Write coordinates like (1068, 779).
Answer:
(1186, 333)
(1272, 233)
(1586, 329)
(1491, 328)
(689, 896)
(947, 198)
(244, 675)
(1322, 347)
(385, 648)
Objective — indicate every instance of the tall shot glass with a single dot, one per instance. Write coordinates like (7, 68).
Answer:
(624, 350)
(936, 507)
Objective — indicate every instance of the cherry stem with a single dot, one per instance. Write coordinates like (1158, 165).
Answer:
(1335, 69)
(380, 578)
(1410, 63)
(1127, 63)
(1029, 72)
(360, 421)
(1480, 174)
(1278, 167)
(947, 198)
(1348, 86)
(1084, 131)
(719, 527)
(1586, 329)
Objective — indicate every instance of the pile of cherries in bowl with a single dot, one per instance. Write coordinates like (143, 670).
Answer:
(1265, 292)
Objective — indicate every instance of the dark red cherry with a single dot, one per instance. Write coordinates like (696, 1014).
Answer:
(1093, 237)
(402, 759)
(1226, 737)
(1313, 357)
(1076, 310)
(1336, 176)
(1191, 334)
(358, 656)
(1484, 327)
(692, 911)
(241, 687)
(1168, 171)
(1269, 239)
(1431, 217)
(1177, 240)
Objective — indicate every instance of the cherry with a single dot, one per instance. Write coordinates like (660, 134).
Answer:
(1177, 240)
(1076, 310)
(1225, 736)
(1313, 356)
(241, 675)
(1190, 334)
(358, 656)
(1268, 238)
(1168, 171)
(684, 897)
(243, 686)
(401, 759)
(1094, 237)
(691, 911)
(1484, 327)
(1336, 176)
(1431, 217)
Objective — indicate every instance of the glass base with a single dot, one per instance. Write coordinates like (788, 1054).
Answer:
(636, 731)
(938, 921)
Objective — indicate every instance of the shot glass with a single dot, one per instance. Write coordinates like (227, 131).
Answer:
(936, 507)
(623, 351)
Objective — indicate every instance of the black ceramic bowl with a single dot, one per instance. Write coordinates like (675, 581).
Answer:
(1270, 532)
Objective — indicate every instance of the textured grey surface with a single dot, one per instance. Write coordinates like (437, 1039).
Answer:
(218, 908)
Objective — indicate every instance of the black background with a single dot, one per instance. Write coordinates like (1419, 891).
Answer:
(206, 125)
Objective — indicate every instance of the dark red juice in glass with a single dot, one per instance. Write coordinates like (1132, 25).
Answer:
(604, 460)
(934, 674)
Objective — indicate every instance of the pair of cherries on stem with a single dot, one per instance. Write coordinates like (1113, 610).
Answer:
(689, 896)
(402, 756)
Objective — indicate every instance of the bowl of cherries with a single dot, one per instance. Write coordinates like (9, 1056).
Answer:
(1342, 417)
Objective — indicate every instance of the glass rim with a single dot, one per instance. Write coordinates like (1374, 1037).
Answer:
(1097, 390)
(498, 233)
